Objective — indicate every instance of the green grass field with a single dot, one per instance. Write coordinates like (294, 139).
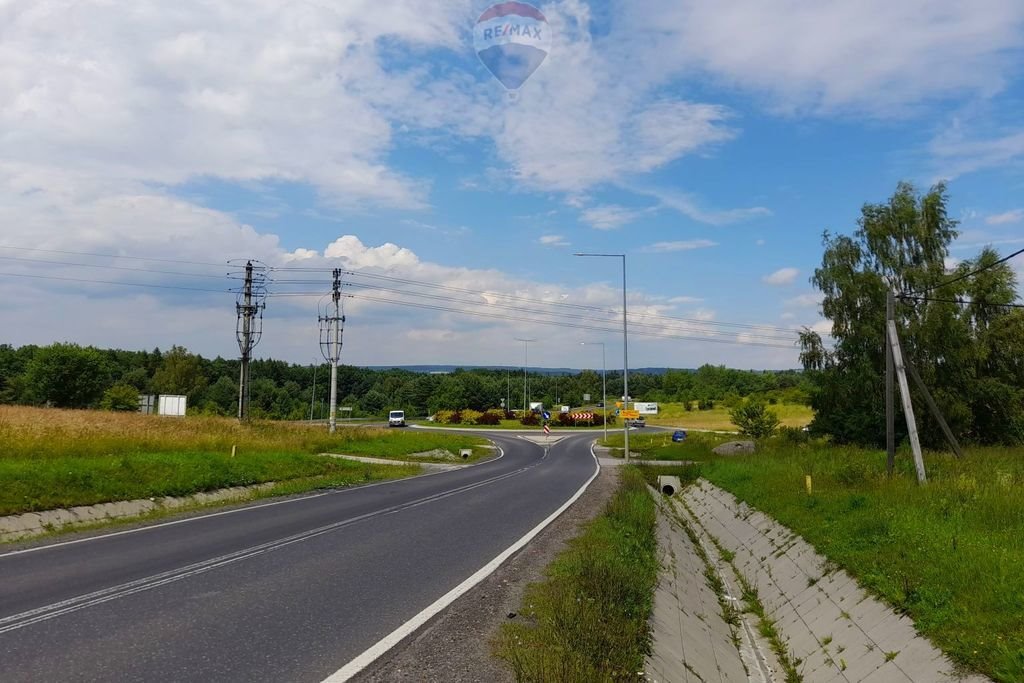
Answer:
(949, 554)
(57, 458)
(676, 415)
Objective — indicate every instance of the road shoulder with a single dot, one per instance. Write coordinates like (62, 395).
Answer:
(456, 645)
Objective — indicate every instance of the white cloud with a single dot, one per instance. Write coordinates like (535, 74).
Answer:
(690, 207)
(956, 151)
(684, 245)
(1006, 218)
(553, 241)
(784, 276)
(685, 300)
(827, 55)
(610, 217)
(805, 300)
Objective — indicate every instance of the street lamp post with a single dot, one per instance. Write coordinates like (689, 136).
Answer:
(604, 385)
(526, 365)
(625, 347)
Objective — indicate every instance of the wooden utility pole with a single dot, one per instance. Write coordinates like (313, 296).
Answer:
(908, 406)
(890, 399)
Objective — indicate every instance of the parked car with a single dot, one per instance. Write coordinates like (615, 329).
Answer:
(396, 418)
(638, 422)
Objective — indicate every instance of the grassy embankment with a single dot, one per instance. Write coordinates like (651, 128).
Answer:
(56, 458)
(676, 415)
(588, 620)
(949, 554)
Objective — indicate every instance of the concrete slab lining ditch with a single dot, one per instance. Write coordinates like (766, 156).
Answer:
(822, 625)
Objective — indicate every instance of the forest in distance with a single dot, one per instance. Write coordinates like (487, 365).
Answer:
(72, 376)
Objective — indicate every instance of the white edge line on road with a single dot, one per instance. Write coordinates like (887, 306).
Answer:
(399, 634)
(245, 508)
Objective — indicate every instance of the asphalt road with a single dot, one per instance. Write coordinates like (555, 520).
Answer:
(288, 591)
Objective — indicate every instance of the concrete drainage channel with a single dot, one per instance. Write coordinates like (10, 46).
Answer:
(770, 608)
(29, 524)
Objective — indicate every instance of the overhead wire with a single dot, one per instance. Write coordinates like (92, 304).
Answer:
(115, 283)
(543, 302)
(555, 323)
(109, 267)
(965, 276)
(120, 256)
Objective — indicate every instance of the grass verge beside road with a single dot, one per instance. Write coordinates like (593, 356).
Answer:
(949, 554)
(57, 458)
(588, 620)
(655, 445)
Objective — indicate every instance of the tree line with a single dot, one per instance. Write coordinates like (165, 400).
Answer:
(71, 376)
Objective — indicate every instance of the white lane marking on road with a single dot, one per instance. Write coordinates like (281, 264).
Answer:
(247, 508)
(399, 634)
(47, 612)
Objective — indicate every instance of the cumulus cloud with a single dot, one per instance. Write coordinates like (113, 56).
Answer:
(783, 276)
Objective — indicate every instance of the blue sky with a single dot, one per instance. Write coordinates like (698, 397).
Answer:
(713, 145)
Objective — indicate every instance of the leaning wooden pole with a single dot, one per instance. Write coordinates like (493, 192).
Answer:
(890, 389)
(908, 406)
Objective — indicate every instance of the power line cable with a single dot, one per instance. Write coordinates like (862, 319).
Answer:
(112, 282)
(553, 323)
(107, 267)
(564, 324)
(968, 275)
(560, 304)
(962, 302)
(581, 318)
(121, 256)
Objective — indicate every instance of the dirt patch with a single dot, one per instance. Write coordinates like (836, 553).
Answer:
(456, 645)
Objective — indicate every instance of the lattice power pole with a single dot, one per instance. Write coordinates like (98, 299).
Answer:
(252, 300)
(332, 327)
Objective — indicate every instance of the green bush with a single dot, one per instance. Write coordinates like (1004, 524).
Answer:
(754, 419)
(530, 420)
(121, 397)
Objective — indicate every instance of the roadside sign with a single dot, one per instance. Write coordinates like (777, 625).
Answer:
(547, 415)
(630, 414)
(586, 398)
(547, 430)
(618, 404)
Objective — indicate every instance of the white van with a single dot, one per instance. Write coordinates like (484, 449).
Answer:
(396, 418)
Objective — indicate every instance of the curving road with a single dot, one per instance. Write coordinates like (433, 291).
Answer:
(287, 591)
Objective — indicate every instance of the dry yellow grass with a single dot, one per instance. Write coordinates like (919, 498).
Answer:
(43, 433)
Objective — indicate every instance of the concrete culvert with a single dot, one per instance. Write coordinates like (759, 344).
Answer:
(669, 485)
